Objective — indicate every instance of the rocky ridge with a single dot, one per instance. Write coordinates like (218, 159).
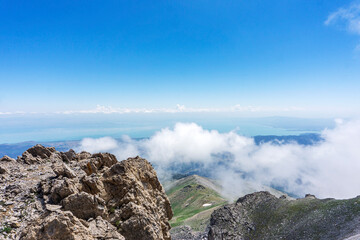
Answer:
(46, 194)
(263, 216)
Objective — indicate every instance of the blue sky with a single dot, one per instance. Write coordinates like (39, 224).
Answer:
(297, 58)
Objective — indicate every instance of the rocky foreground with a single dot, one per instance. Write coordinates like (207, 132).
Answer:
(263, 216)
(46, 194)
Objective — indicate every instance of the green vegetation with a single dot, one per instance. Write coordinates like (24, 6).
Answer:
(111, 210)
(6, 229)
(187, 198)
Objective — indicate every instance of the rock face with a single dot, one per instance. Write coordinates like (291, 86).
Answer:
(47, 194)
(263, 216)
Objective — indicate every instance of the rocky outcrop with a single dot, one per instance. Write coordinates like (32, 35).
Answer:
(47, 194)
(187, 233)
(263, 216)
(64, 225)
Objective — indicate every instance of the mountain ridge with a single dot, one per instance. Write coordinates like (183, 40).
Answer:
(261, 215)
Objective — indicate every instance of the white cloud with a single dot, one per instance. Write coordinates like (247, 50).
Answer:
(11, 113)
(189, 142)
(104, 144)
(127, 147)
(349, 18)
(182, 108)
(328, 169)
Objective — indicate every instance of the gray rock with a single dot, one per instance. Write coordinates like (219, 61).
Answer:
(101, 229)
(310, 196)
(52, 208)
(7, 159)
(84, 205)
(61, 169)
(61, 188)
(68, 156)
(3, 170)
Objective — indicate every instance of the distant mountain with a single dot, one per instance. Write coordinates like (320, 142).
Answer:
(302, 139)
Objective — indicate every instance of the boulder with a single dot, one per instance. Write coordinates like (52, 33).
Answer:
(63, 226)
(38, 154)
(61, 188)
(7, 159)
(3, 170)
(61, 169)
(84, 205)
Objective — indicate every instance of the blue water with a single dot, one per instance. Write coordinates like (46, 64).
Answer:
(20, 128)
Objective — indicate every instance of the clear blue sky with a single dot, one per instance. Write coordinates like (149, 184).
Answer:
(74, 55)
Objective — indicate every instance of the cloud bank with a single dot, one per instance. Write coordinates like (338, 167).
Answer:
(328, 169)
(182, 108)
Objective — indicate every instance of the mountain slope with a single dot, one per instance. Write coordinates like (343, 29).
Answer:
(193, 199)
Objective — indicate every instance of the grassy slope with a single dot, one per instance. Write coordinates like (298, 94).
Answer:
(187, 197)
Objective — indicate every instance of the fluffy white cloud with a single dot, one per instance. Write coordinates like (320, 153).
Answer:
(104, 144)
(328, 169)
(188, 142)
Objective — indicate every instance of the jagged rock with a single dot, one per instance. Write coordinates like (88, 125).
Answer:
(83, 155)
(7, 159)
(92, 184)
(61, 169)
(310, 196)
(15, 225)
(3, 170)
(13, 189)
(68, 156)
(104, 160)
(39, 154)
(53, 195)
(186, 233)
(97, 162)
(36, 153)
(101, 229)
(137, 197)
(58, 225)
(52, 208)
(61, 188)
(84, 205)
